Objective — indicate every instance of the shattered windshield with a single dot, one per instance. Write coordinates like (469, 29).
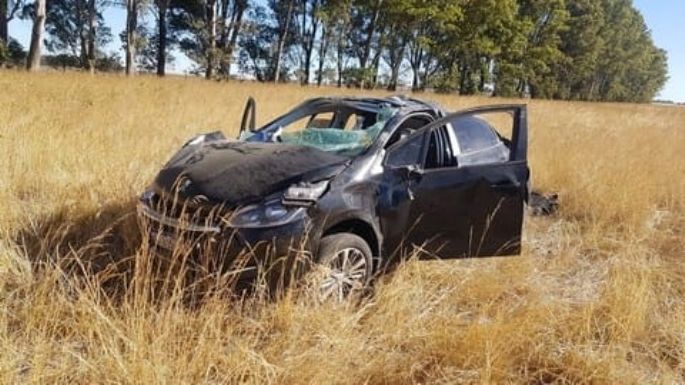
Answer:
(345, 131)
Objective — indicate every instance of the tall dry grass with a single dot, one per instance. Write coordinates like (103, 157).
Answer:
(596, 297)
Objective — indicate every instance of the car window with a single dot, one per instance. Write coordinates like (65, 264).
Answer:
(408, 127)
(356, 122)
(298, 125)
(478, 140)
(473, 133)
(321, 120)
(407, 152)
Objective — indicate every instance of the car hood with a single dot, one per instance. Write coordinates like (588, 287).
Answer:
(236, 173)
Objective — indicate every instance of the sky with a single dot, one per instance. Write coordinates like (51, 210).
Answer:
(664, 18)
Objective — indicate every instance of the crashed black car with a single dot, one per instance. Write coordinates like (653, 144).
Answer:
(356, 182)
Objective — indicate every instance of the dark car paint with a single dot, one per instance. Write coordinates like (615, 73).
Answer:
(237, 173)
(461, 211)
(389, 208)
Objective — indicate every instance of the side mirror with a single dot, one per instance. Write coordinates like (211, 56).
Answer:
(249, 117)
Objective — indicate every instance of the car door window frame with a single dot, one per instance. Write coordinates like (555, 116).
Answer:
(396, 126)
(445, 141)
(519, 139)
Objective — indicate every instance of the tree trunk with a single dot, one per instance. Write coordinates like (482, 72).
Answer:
(483, 76)
(340, 57)
(396, 56)
(281, 41)
(323, 50)
(376, 66)
(309, 37)
(395, 72)
(4, 37)
(237, 26)
(82, 36)
(225, 27)
(92, 25)
(371, 30)
(131, 29)
(415, 59)
(211, 37)
(230, 33)
(307, 65)
(162, 36)
(33, 61)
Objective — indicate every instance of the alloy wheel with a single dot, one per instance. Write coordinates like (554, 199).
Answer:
(345, 273)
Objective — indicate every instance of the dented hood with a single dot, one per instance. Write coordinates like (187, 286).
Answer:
(236, 173)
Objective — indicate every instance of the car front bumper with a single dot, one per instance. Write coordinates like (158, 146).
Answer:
(253, 253)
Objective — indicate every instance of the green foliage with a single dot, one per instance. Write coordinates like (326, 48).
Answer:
(12, 54)
(67, 27)
(595, 50)
(357, 77)
(4, 53)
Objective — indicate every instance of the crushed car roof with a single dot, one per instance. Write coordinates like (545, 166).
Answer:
(367, 103)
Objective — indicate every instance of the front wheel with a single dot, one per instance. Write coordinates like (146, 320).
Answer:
(345, 264)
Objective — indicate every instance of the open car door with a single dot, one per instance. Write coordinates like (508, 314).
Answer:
(466, 195)
(247, 123)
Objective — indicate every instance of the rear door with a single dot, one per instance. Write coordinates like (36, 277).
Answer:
(465, 198)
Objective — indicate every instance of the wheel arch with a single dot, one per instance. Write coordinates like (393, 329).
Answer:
(359, 227)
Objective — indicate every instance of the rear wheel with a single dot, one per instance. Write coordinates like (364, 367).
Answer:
(345, 266)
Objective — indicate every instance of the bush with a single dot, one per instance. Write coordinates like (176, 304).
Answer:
(12, 54)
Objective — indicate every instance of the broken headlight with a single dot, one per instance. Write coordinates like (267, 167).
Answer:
(269, 214)
(306, 193)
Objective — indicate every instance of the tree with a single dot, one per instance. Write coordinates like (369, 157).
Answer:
(162, 7)
(77, 27)
(399, 32)
(309, 23)
(8, 10)
(363, 34)
(209, 31)
(33, 61)
(256, 45)
(231, 24)
(581, 49)
(13, 54)
(335, 16)
(132, 9)
(282, 30)
(528, 61)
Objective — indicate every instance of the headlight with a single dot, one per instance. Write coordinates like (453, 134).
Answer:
(305, 192)
(272, 213)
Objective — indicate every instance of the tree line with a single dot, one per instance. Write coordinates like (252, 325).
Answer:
(596, 50)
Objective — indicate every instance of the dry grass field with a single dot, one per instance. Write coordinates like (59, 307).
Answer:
(598, 295)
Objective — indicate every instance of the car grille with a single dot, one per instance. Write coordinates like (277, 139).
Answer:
(194, 211)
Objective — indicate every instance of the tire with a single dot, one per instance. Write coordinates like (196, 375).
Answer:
(347, 265)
